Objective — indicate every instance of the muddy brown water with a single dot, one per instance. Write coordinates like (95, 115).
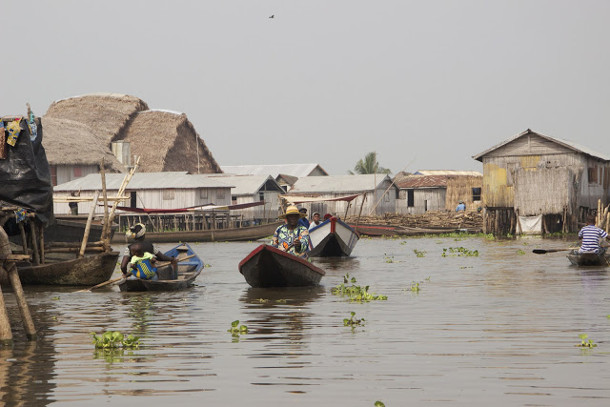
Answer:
(500, 328)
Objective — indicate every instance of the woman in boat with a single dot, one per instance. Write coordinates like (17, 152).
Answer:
(292, 237)
(591, 236)
(138, 233)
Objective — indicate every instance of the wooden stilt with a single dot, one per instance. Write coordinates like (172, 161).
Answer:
(41, 243)
(6, 336)
(26, 317)
(33, 234)
(24, 239)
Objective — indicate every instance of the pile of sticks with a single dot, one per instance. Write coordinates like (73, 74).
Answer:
(602, 218)
(473, 221)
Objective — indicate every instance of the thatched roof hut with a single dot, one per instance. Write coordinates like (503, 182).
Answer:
(106, 114)
(62, 147)
(167, 141)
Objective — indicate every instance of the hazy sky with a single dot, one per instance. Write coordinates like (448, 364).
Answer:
(426, 84)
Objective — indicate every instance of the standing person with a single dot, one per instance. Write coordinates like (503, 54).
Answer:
(138, 233)
(292, 237)
(461, 207)
(74, 204)
(304, 221)
(590, 236)
(315, 221)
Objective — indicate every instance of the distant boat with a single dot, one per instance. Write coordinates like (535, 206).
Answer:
(71, 228)
(332, 238)
(89, 270)
(588, 259)
(267, 266)
(187, 273)
(209, 235)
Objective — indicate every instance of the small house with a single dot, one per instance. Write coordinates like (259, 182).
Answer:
(377, 193)
(533, 183)
(296, 170)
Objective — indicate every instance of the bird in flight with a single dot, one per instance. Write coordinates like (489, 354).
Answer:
(272, 16)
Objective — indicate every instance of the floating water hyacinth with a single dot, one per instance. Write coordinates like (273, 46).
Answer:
(115, 339)
(237, 329)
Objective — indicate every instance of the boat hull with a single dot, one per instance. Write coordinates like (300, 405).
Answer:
(332, 238)
(188, 271)
(72, 229)
(211, 235)
(85, 271)
(588, 259)
(267, 266)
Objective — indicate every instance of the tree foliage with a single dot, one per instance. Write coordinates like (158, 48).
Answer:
(369, 165)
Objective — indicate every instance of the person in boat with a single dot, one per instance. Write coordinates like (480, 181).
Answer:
(304, 221)
(461, 207)
(142, 264)
(591, 236)
(292, 237)
(138, 233)
(315, 220)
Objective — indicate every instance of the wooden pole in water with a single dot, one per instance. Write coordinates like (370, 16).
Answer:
(24, 239)
(88, 225)
(6, 336)
(34, 241)
(107, 225)
(28, 323)
(105, 194)
(41, 243)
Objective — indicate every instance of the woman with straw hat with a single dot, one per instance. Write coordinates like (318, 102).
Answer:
(291, 237)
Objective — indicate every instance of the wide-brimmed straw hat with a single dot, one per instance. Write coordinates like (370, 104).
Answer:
(292, 210)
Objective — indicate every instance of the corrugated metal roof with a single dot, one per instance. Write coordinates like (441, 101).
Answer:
(297, 170)
(422, 181)
(144, 180)
(448, 172)
(246, 184)
(566, 143)
(338, 183)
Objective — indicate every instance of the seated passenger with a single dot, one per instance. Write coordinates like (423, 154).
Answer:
(291, 237)
(315, 221)
(591, 236)
(304, 221)
(142, 264)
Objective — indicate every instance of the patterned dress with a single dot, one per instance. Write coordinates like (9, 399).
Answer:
(283, 239)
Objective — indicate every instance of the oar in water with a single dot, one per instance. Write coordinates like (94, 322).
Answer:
(162, 264)
(542, 251)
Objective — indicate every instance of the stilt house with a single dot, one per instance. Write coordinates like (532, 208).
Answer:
(533, 183)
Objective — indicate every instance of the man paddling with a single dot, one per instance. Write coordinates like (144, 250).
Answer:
(138, 233)
(292, 237)
(591, 236)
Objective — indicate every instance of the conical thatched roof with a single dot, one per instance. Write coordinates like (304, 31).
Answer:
(167, 141)
(64, 140)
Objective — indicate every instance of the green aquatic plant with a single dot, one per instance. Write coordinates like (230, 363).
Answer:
(379, 404)
(520, 252)
(355, 292)
(460, 252)
(115, 339)
(207, 266)
(419, 253)
(55, 298)
(415, 287)
(237, 329)
(585, 342)
(281, 301)
(262, 300)
(404, 242)
(389, 259)
(352, 321)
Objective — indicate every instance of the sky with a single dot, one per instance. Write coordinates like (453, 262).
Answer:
(426, 84)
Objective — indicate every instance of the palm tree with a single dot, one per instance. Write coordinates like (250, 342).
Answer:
(369, 165)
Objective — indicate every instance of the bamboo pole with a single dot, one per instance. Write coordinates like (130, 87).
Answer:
(105, 194)
(26, 317)
(76, 249)
(88, 225)
(24, 239)
(6, 336)
(110, 219)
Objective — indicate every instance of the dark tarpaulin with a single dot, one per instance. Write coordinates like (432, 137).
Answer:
(25, 176)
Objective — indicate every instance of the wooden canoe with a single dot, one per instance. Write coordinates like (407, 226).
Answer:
(267, 266)
(332, 238)
(210, 235)
(87, 271)
(71, 228)
(187, 273)
(589, 259)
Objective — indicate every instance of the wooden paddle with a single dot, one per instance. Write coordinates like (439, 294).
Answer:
(542, 251)
(162, 264)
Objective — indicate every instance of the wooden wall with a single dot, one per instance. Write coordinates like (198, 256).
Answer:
(424, 199)
(459, 188)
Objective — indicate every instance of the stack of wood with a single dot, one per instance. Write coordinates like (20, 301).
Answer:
(451, 221)
(602, 218)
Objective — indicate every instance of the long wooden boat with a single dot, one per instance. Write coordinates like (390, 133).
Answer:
(71, 228)
(267, 266)
(210, 235)
(332, 238)
(88, 271)
(589, 259)
(187, 273)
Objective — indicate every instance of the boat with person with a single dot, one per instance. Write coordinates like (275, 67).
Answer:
(332, 238)
(589, 258)
(190, 266)
(267, 266)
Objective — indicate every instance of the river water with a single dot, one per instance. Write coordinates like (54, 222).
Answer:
(498, 328)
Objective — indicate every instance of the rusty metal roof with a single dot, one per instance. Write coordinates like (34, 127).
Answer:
(422, 181)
